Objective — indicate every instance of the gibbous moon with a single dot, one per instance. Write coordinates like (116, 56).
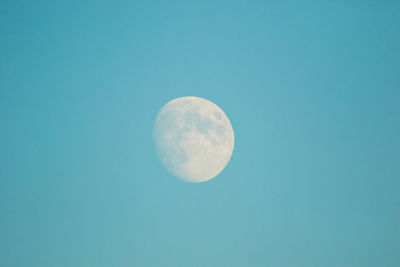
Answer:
(194, 138)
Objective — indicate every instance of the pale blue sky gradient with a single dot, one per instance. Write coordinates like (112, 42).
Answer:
(312, 89)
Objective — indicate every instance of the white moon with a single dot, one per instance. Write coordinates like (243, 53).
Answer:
(194, 138)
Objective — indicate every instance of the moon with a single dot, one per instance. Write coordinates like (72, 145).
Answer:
(194, 138)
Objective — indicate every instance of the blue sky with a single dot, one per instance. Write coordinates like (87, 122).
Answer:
(312, 89)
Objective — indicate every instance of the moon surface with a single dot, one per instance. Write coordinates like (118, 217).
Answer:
(194, 138)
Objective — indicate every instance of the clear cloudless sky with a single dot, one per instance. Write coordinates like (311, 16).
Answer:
(312, 89)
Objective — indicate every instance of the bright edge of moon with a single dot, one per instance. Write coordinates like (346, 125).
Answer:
(194, 138)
